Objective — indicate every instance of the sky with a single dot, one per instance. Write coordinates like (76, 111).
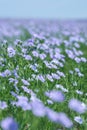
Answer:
(46, 9)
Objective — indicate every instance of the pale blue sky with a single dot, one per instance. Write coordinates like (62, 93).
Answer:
(61, 9)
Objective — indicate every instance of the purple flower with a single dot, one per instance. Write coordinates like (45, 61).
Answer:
(49, 77)
(61, 74)
(24, 50)
(77, 70)
(5, 73)
(60, 118)
(38, 108)
(12, 80)
(35, 53)
(18, 42)
(42, 56)
(77, 45)
(9, 124)
(41, 78)
(83, 59)
(70, 54)
(11, 51)
(15, 73)
(78, 60)
(64, 120)
(23, 103)
(77, 106)
(13, 94)
(55, 76)
(55, 95)
(80, 53)
(27, 57)
(3, 105)
(30, 42)
(26, 89)
(34, 68)
(25, 82)
(78, 119)
(52, 115)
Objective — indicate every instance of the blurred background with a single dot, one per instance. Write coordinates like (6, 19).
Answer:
(44, 9)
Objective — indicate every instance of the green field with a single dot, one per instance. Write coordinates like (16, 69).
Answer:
(43, 75)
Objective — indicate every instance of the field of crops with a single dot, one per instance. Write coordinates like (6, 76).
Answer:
(43, 75)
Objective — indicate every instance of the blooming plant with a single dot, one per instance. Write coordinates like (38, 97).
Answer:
(43, 75)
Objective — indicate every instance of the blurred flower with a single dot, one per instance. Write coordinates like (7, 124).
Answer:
(71, 72)
(77, 106)
(52, 115)
(49, 77)
(77, 70)
(9, 124)
(77, 45)
(55, 95)
(25, 82)
(49, 101)
(38, 108)
(55, 76)
(61, 87)
(5, 73)
(80, 74)
(27, 57)
(34, 68)
(35, 53)
(3, 105)
(79, 92)
(11, 51)
(41, 78)
(42, 56)
(60, 118)
(83, 59)
(64, 120)
(78, 119)
(78, 60)
(22, 102)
